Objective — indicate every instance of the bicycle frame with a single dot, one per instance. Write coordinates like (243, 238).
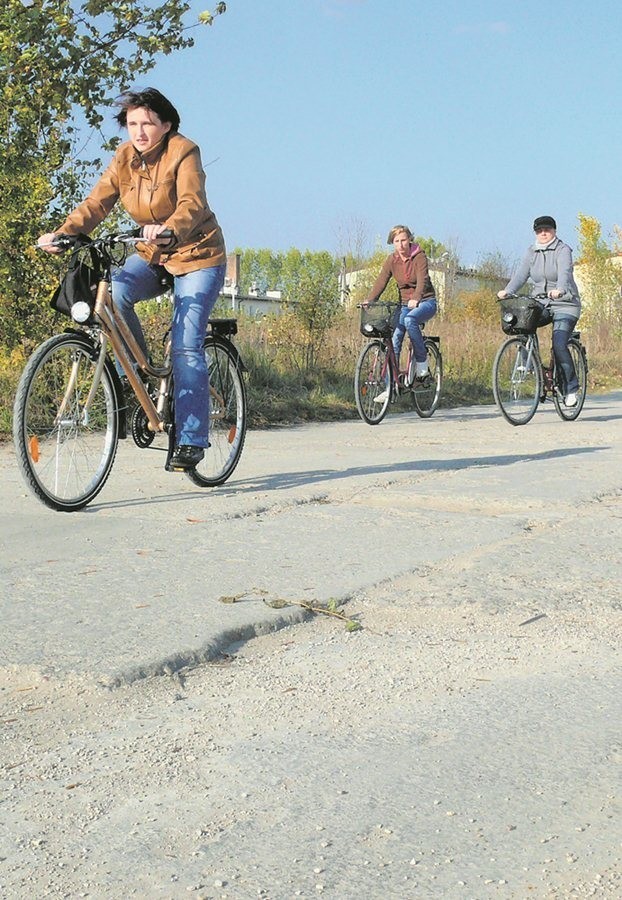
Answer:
(394, 362)
(114, 329)
(532, 347)
(117, 332)
(549, 374)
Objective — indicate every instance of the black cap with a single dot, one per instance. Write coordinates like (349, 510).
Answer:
(544, 222)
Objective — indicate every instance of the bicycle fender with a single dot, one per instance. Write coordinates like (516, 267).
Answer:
(223, 342)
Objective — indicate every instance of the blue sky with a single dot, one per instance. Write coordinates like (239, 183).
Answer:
(464, 120)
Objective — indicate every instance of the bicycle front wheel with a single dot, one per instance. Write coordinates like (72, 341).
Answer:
(426, 392)
(66, 422)
(569, 413)
(227, 418)
(517, 381)
(372, 382)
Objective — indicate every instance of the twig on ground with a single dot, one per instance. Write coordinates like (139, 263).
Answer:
(331, 608)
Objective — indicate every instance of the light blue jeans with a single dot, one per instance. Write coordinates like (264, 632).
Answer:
(410, 321)
(194, 297)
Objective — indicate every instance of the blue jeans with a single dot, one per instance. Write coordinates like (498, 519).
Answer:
(194, 297)
(563, 326)
(410, 321)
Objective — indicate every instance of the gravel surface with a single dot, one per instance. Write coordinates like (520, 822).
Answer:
(463, 742)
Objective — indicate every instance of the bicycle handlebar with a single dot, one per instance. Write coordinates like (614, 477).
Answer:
(517, 296)
(133, 236)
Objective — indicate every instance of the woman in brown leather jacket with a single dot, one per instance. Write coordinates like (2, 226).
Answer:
(158, 177)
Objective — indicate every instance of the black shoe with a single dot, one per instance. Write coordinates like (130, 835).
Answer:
(186, 456)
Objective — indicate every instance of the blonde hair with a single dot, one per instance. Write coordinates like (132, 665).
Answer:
(396, 230)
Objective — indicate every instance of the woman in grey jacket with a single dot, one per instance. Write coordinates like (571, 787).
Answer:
(547, 264)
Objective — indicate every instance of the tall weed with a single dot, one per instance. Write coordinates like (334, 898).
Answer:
(282, 390)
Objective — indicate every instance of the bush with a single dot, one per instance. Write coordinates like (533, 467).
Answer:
(281, 390)
(11, 365)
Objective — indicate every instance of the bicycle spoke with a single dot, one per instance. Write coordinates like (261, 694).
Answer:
(372, 382)
(65, 424)
(569, 413)
(227, 420)
(517, 380)
(426, 391)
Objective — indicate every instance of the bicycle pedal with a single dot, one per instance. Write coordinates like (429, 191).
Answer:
(169, 467)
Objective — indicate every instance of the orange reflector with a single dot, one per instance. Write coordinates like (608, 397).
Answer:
(33, 447)
(231, 435)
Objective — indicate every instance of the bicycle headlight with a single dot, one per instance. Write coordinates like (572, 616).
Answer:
(368, 328)
(80, 312)
(509, 317)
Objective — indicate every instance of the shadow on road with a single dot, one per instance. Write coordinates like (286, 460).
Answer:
(286, 480)
(281, 480)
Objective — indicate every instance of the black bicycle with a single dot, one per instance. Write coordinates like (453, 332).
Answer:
(71, 407)
(520, 380)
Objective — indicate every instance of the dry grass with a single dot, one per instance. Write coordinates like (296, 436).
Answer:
(281, 391)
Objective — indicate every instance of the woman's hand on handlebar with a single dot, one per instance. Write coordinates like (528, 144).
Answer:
(51, 242)
(502, 295)
(157, 234)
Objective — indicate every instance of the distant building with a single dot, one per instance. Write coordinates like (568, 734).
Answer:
(254, 303)
(448, 282)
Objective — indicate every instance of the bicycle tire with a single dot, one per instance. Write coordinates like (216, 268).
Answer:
(426, 392)
(64, 451)
(372, 376)
(517, 393)
(579, 358)
(228, 415)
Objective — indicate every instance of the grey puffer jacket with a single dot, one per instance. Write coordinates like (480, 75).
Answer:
(549, 267)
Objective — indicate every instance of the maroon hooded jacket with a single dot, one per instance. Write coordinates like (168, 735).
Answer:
(411, 275)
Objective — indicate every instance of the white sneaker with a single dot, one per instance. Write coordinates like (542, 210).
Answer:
(422, 370)
(571, 400)
(381, 397)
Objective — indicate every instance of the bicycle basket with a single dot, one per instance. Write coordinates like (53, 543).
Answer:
(520, 315)
(379, 319)
(81, 278)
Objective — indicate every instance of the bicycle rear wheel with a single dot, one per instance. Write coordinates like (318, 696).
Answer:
(426, 392)
(569, 413)
(227, 420)
(517, 381)
(372, 377)
(66, 422)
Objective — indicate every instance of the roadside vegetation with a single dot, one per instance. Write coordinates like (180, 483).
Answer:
(55, 90)
(301, 362)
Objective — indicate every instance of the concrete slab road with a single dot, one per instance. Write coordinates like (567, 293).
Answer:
(133, 584)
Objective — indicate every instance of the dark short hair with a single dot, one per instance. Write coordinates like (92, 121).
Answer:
(544, 222)
(150, 99)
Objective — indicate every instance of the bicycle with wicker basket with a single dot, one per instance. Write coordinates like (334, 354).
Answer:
(520, 380)
(378, 379)
(72, 407)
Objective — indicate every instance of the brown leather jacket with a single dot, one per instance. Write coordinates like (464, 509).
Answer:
(164, 186)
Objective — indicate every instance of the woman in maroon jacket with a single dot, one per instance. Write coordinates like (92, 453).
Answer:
(409, 266)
